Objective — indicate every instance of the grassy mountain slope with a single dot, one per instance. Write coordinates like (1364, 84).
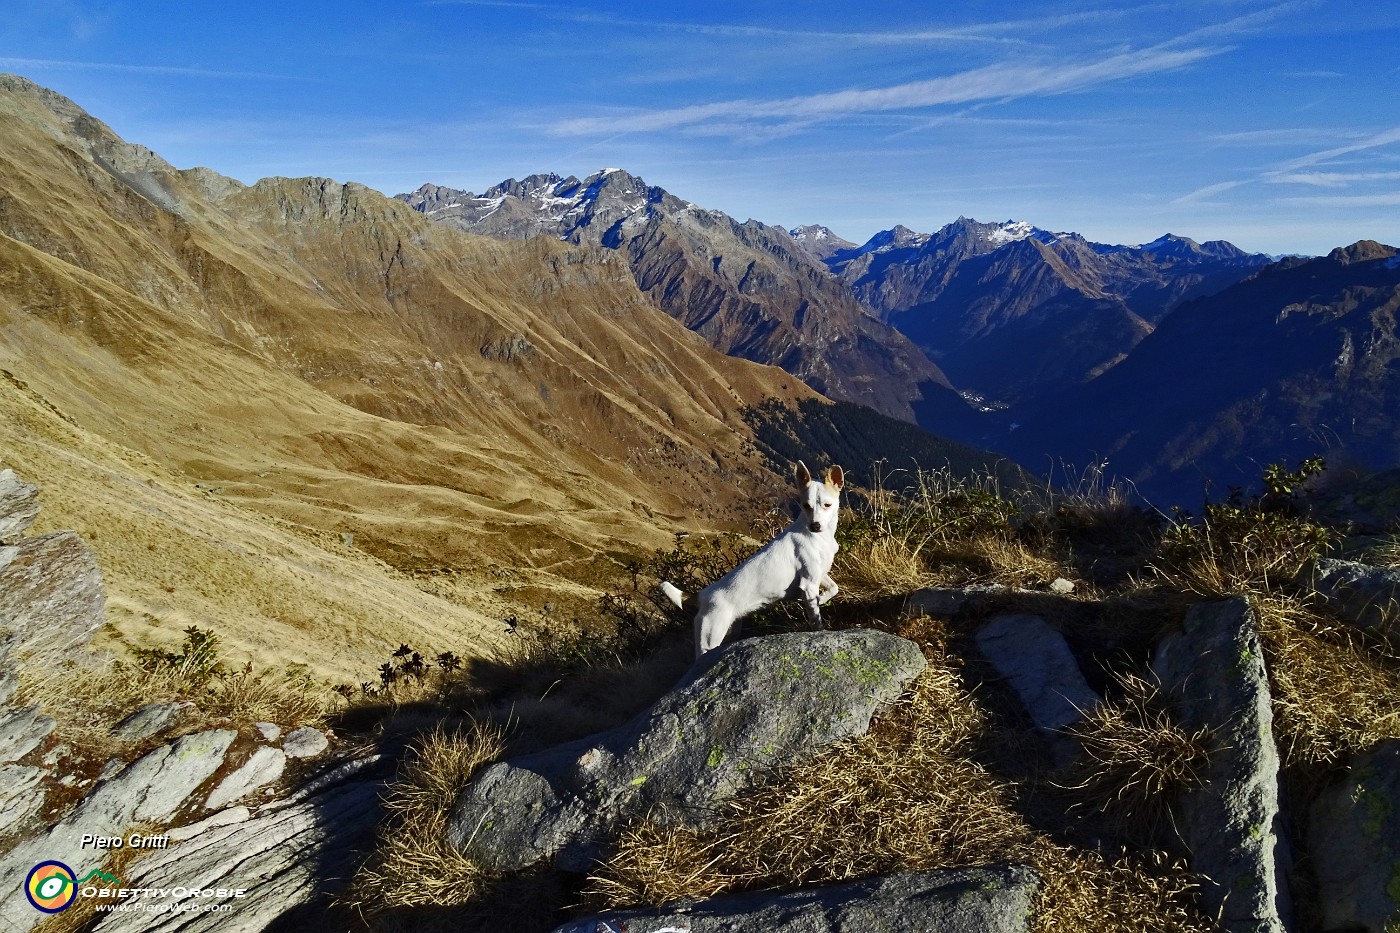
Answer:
(299, 359)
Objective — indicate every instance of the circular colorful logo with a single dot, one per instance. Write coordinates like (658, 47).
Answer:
(51, 887)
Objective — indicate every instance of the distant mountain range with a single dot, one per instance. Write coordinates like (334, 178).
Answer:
(1301, 358)
(1010, 310)
(748, 288)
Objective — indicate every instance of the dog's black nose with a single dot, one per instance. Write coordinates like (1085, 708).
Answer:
(816, 526)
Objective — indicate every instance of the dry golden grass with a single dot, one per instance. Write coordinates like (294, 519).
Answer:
(414, 865)
(1083, 892)
(1136, 757)
(1335, 691)
(1386, 554)
(88, 702)
(880, 567)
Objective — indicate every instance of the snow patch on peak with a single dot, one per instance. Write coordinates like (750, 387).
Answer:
(1011, 231)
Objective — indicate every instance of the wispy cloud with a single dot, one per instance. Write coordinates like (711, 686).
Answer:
(996, 31)
(1326, 155)
(1382, 199)
(1202, 194)
(42, 64)
(1003, 81)
(1330, 179)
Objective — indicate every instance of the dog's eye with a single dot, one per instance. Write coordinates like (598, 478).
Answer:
(826, 505)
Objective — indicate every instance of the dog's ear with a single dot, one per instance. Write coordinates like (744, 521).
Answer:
(801, 475)
(834, 476)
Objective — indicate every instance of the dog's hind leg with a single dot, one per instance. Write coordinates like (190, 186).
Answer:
(827, 589)
(712, 624)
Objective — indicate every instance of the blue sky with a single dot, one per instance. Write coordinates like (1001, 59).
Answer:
(1275, 125)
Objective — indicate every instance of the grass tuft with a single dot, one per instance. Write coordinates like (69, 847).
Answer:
(414, 866)
(1136, 759)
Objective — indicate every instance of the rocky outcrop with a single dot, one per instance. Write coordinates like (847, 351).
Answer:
(150, 790)
(305, 742)
(1036, 662)
(287, 858)
(50, 595)
(1366, 596)
(992, 899)
(1213, 672)
(263, 767)
(150, 720)
(760, 704)
(19, 505)
(1354, 837)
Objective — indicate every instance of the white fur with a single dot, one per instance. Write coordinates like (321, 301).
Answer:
(794, 565)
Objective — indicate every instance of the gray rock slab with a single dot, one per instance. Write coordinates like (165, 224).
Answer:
(19, 505)
(761, 703)
(270, 731)
(991, 899)
(150, 790)
(262, 768)
(1036, 662)
(151, 719)
(290, 859)
(21, 795)
(305, 742)
(22, 728)
(227, 817)
(948, 601)
(50, 595)
(1214, 676)
(1366, 596)
(1354, 836)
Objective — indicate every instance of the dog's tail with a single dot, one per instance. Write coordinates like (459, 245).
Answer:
(673, 593)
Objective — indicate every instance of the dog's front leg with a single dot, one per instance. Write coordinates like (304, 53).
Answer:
(812, 605)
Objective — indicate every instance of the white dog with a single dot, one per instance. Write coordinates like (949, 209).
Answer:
(794, 565)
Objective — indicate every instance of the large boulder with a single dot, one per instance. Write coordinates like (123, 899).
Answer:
(51, 597)
(19, 505)
(991, 899)
(1366, 596)
(1354, 835)
(1213, 672)
(739, 712)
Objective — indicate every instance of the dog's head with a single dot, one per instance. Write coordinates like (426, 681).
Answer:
(820, 501)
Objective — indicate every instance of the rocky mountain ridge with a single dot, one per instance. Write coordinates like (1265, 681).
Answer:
(748, 288)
